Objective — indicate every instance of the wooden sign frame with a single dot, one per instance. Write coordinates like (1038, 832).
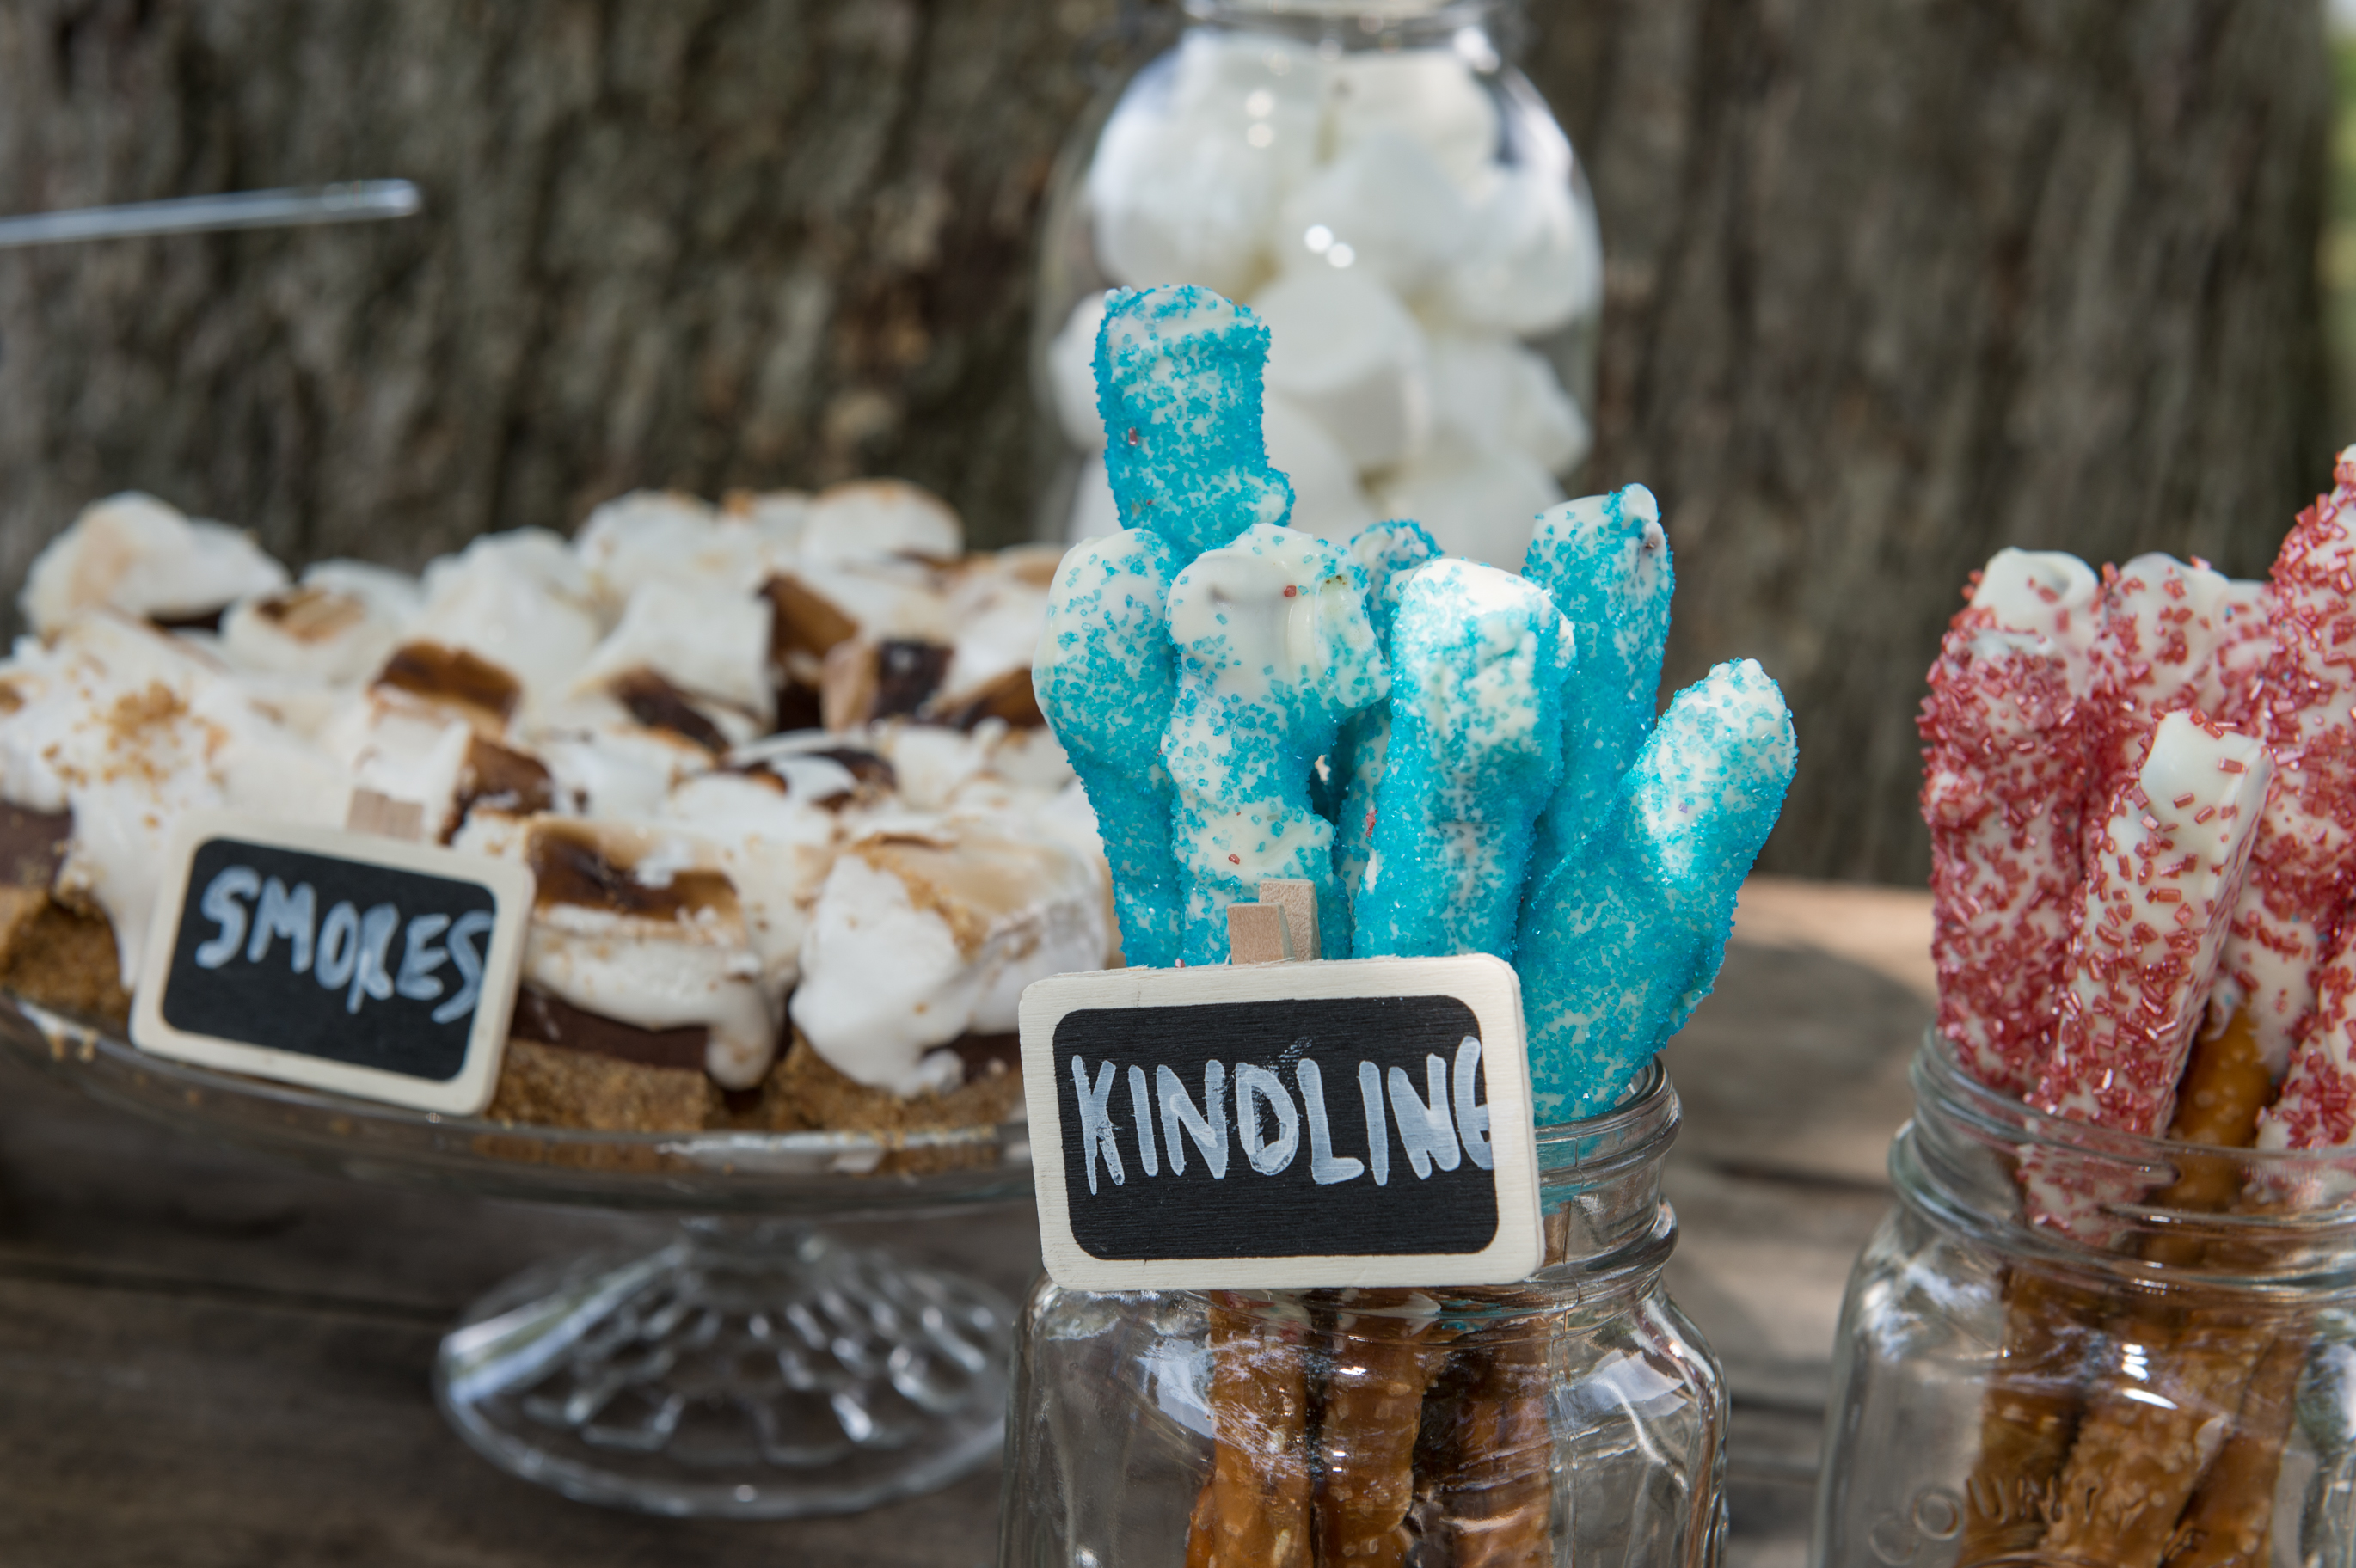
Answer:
(468, 1091)
(1488, 986)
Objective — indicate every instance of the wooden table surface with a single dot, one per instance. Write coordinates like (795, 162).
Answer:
(209, 1358)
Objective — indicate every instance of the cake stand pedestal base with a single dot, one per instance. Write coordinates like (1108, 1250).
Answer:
(748, 1369)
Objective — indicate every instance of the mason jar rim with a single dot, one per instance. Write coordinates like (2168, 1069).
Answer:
(1960, 1156)
(1609, 1242)
(1358, 24)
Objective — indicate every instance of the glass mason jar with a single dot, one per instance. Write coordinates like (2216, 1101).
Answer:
(1396, 201)
(1573, 1417)
(2171, 1379)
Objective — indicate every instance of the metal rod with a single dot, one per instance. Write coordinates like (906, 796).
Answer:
(353, 202)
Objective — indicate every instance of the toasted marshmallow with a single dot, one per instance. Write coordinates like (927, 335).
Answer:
(132, 553)
(776, 847)
(711, 641)
(662, 536)
(920, 937)
(871, 519)
(518, 600)
(637, 922)
(134, 728)
(312, 633)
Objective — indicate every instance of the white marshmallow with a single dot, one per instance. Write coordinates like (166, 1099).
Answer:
(519, 600)
(1479, 504)
(599, 776)
(873, 519)
(1532, 259)
(312, 634)
(999, 611)
(412, 752)
(1348, 355)
(396, 596)
(1095, 514)
(1072, 375)
(918, 939)
(706, 639)
(1326, 500)
(1491, 393)
(777, 847)
(134, 728)
(1384, 207)
(132, 552)
(1430, 95)
(1183, 197)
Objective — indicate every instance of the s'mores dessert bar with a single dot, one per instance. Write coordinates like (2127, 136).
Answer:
(799, 833)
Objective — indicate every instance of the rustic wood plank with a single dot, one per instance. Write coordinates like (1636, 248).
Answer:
(213, 1358)
(144, 1429)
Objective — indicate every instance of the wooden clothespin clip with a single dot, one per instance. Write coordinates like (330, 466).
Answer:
(1281, 927)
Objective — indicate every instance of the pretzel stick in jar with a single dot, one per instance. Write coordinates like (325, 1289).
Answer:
(1254, 1511)
(1385, 1349)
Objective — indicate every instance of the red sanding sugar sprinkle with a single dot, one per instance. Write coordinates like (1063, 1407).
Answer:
(2318, 1105)
(2004, 767)
(2300, 870)
(2124, 1021)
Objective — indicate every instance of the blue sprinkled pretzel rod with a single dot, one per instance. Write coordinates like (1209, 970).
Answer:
(1458, 759)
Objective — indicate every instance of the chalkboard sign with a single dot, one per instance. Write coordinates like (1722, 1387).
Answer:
(344, 961)
(1359, 1123)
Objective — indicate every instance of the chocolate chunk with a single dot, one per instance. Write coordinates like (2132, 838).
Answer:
(799, 707)
(1010, 697)
(986, 1053)
(202, 621)
(503, 779)
(805, 620)
(444, 674)
(866, 767)
(908, 673)
(659, 705)
(32, 844)
(571, 869)
(553, 1021)
(311, 614)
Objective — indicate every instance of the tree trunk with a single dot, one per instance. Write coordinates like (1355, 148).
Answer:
(1890, 286)
(700, 243)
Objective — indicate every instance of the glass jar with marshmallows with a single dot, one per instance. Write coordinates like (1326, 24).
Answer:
(1396, 201)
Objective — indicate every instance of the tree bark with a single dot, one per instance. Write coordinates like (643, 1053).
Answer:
(1890, 286)
(700, 243)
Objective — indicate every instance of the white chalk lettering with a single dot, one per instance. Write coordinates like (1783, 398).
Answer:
(1472, 1120)
(1096, 1122)
(1140, 1111)
(220, 906)
(1324, 1169)
(339, 946)
(477, 922)
(1207, 1127)
(287, 915)
(369, 976)
(1256, 1086)
(1424, 1128)
(420, 958)
(1378, 1131)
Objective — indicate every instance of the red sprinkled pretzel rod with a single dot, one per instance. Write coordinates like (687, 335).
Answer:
(2150, 920)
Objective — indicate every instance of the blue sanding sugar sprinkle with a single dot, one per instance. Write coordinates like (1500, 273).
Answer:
(1493, 779)
(1178, 382)
(1619, 942)
(1479, 660)
(1106, 675)
(1275, 651)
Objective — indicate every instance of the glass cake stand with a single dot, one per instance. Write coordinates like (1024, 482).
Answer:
(751, 1367)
